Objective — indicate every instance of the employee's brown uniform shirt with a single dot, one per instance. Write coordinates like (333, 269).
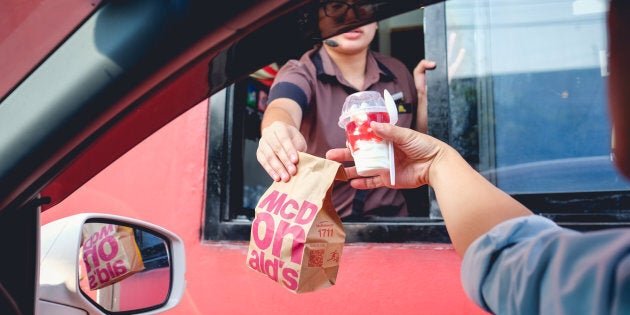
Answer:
(317, 85)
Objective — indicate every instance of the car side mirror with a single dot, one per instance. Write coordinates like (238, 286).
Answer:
(105, 264)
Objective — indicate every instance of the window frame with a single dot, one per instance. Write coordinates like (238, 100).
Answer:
(224, 190)
(224, 186)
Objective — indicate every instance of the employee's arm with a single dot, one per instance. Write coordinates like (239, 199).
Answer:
(419, 78)
(281, 139)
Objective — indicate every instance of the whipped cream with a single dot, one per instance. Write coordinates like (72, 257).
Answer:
(370, 157)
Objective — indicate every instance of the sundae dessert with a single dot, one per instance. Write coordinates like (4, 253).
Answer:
(370, 152)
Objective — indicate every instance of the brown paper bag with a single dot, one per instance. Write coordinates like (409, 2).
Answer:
(110, 253)
(297, 236)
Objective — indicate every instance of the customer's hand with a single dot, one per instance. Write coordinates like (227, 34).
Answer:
(415, 153)
(470, 204)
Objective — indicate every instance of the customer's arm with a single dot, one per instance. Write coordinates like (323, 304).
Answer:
(470, 204)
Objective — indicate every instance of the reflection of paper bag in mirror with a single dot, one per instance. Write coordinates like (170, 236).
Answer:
(297, 236)
(110, 253)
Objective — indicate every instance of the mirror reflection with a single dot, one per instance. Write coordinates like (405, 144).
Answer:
(123, 268)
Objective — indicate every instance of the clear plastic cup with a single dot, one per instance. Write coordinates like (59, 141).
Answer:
(370, 152)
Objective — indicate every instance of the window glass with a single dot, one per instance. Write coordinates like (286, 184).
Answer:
(253, 98)
(527, 93)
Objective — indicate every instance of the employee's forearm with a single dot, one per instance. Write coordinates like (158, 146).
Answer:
(470, 204)
(274, 114)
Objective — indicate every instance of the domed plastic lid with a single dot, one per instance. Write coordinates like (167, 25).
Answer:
(360, 103)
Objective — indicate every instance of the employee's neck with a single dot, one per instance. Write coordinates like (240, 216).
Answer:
(352, 66)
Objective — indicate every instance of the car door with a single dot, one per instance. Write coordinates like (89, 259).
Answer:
(99, 77)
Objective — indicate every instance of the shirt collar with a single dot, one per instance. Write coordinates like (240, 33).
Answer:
(327, 70)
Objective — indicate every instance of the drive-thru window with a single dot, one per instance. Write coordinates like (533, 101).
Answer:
(520, 91)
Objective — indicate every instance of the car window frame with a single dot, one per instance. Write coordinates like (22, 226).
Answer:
(97, 125)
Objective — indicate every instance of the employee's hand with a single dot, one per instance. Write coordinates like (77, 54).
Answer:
(420, 80)
(415, 153)
(278, 150)
(419, 76)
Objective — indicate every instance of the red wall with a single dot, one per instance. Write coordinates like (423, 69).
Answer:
(162, 181)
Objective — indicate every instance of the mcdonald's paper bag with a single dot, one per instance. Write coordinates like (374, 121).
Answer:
(110, 253)
(297, 236)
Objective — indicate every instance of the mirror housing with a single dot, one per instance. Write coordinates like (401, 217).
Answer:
(60, 247)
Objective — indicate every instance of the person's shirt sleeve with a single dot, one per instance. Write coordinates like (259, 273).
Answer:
(530, 265)
(293, 81)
